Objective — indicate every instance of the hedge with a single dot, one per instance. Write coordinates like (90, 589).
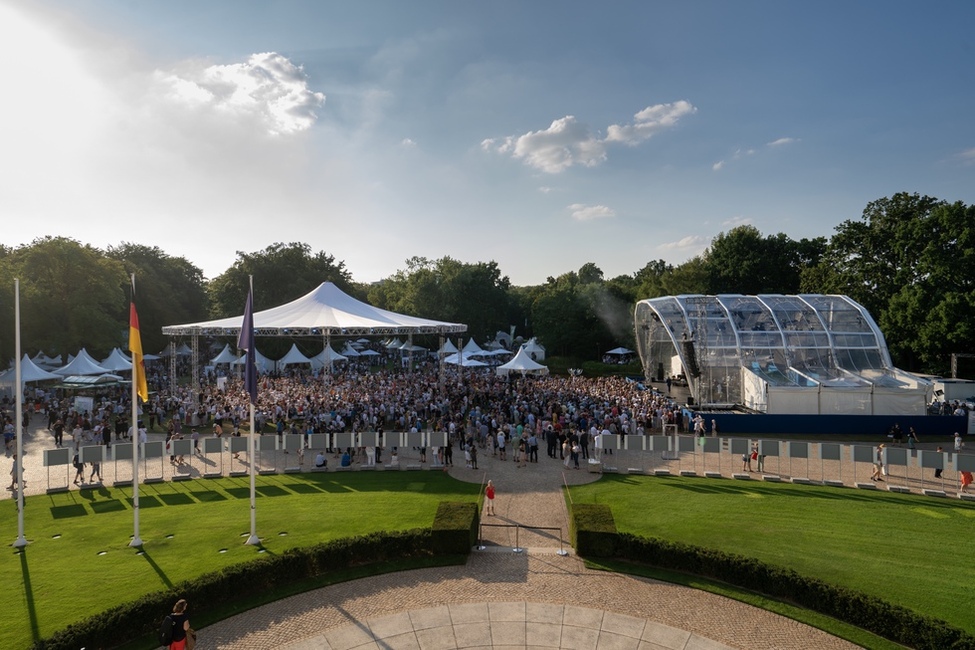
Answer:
(141, 617)
(592, 530)
(454, 528)
(890, 621)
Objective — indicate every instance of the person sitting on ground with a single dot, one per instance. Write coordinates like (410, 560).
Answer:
(320, 460)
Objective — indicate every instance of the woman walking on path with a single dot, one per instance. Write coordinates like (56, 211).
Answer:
(489, 499)
(878, 463)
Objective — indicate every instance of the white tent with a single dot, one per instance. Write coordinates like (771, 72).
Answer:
(471, 348)
(226, 356)
(293, 356)
(448, 348)
(264, 365)
(523, 364)
(368, 353)
(325, 311)
(534, 349)
(45, 361)
(464, 360)
(620, 351)
(29, 371)
(350, 351)
(116, 361)
(83, 364)
(395, 344)
(326, 357)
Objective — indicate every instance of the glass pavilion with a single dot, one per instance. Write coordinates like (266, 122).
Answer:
(807, 353)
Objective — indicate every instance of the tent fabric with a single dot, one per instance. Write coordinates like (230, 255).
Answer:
(116, 361)
(326, 357)
(226, 356)
(448, 348)
(620, 351)
(294, 355)
(464, 360)
(326, 310)
(29, 371)
(523, 364)
(83, 364)
(472, 348)
(264, 365)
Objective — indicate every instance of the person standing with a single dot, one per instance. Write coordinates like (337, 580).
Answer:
(878, 463)
(958, 443)
(181, 627)
(473, 449)
(911, 438)
(966, 480)
(489, 499)
(937, 470)
(13, 475)
(58, 433)
(532, 448)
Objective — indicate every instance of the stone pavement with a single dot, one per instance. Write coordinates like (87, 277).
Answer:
(503, 599)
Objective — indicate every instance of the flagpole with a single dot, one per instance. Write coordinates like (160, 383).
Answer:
(19, 414)
(136, 540)
(250, 380)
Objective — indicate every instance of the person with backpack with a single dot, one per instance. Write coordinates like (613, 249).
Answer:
(175, 632)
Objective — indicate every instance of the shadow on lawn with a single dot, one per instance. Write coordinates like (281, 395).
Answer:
(29, 595)
(155, 567)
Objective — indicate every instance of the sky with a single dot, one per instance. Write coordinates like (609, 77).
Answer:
(539, 134)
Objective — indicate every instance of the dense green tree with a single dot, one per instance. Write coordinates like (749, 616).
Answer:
(71, 297)
(475, 294)
(171, 290)
(687, 278)
(282, 272)
(743, 261)
(910, 260)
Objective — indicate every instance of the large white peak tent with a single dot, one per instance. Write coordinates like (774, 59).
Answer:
(116, 361)
(226, 356)
(29, 371)
(293, 356)
(523, 364)
(326, 357)
(83, 364)
(534, 349)
(471, 348)
(326, 310)
(448, 348)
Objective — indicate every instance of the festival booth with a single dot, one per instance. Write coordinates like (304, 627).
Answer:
(117, 361)
(83, 364)
(522, 363)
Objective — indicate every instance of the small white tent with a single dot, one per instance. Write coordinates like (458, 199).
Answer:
(471, 348)
(448, 348)
(83, 364)
(523, 364)
(29, 371)
(293, 356)
(327, 356)
(534, 349)
(226, 356)
(116, 361)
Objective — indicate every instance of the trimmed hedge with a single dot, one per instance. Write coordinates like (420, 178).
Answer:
(143, 616)
(454, 528)
(592, 530)
(890, 621)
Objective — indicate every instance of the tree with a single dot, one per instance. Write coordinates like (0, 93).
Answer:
(572, 317)
(282, 272)
(171, 290)
(71, 297)
(742, 261)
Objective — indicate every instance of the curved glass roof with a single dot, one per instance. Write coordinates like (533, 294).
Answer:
(800, 340)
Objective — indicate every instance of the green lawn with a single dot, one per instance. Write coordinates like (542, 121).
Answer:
(911, 550)
(78, 562)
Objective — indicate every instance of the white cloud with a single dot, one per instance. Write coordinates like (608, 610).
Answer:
(267, 88)
(736, 221)
(582, 212)
(781, 142)
(968, 156)
(718, 165)
(738, 155)
(649, 121)
(407, 142)
(567, 142)
(545, 189)
(689, 242)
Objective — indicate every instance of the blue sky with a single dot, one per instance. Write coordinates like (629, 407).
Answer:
(541, 135)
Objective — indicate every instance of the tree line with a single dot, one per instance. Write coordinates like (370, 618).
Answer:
(909, 259)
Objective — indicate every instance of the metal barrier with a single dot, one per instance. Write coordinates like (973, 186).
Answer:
(517, 547)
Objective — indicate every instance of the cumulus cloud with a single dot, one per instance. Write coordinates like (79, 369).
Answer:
(649, 121)
(737, 155)
(734, 222)
(267, 88)
(567, 142)
(582, 212)
(781, 142)
(691, 241)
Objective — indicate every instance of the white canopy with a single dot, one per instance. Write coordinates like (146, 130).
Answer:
(464, 360)
(326, 357)
(263, 364)
(368, 353)
(522, 363)
(472, 348)
(226, 356)
(116, 361)
(448, 348)
(29, 371)
(350, 351)
(83, 364)
(534, 349)
(327, 310)
(620, 351)
(294, 355)
(394, 344)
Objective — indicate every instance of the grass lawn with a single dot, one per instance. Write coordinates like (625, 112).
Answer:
(78, 562)
(907, 549)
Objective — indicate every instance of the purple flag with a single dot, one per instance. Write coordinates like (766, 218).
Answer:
(246, 342)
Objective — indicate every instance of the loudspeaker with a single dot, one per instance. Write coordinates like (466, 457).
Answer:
(690, 359)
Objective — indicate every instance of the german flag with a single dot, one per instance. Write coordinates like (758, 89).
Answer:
(135, 347)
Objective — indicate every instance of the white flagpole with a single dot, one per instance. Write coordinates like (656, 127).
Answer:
(19, 414)
(253, 539)
(136, 540)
